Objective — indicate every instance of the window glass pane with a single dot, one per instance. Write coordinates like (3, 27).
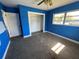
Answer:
(58, 18)
(72, 18)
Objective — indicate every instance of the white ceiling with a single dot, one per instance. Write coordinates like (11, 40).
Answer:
(30, 3)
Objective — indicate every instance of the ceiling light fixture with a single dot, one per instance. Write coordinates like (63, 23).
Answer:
(47, 2)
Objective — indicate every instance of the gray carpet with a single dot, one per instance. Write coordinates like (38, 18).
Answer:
(39, 46)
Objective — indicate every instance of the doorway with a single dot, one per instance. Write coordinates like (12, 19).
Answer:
(12, 23)
(36, 22)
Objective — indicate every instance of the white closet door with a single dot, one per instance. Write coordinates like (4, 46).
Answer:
(12, 23)
(36, 22)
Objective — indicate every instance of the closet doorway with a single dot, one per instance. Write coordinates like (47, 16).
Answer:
(36, 22)
(12, 23)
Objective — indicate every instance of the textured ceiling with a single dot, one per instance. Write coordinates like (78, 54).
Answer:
(30, 3)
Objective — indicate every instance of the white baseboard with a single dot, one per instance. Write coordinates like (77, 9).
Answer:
(27, 36)
(63, 37)
(6, 50)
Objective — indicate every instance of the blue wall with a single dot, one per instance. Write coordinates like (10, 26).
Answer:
(67, 31)
(4, 38)
(10, 9)
(23, 10)
(71, 32)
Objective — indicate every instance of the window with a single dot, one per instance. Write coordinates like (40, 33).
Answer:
(58, 18)
(72, 18)
(68, 18)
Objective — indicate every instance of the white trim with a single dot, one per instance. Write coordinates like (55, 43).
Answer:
(63, 37)
(27, 36)
(38, 14)
(44, 23)
(2, 27)
(6, 50)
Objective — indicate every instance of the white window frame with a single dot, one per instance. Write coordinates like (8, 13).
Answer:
(53, 19)
(64, 18)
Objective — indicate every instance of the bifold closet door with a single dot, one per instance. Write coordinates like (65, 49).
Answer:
(12, 23)
(36, 22)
